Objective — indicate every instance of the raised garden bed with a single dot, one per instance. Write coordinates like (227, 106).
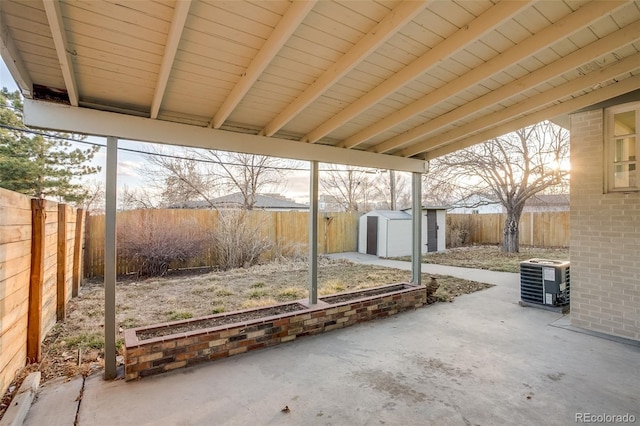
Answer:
(164, 347)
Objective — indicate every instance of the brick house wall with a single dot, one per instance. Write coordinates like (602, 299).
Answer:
(605, 238)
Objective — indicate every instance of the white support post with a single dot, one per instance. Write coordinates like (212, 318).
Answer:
(416, 221)
(313, 234)
(110, 261)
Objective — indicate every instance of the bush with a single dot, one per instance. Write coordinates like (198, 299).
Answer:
(151, 245)
(459, 230)
(236, 242)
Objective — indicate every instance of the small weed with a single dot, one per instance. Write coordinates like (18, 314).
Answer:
(331, 287)
(179, 315)
(224, 293)
(291, 293)
(217, 310)
(248, 304)
(258, 285)
(257, 294)
(86, 340)
(119, 344)
(129, 323)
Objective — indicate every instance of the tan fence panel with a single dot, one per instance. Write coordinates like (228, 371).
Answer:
(541, 229)
(287, 230)
(15, 267)
(17, 245)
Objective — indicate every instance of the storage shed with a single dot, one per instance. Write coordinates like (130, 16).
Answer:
(387, 233)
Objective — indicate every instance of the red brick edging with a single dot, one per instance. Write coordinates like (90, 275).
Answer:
(165, 353)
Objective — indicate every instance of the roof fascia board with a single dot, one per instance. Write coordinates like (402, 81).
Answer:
(13, 60)
(101, 123)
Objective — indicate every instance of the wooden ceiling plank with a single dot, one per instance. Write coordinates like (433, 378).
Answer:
(594, 97)
(601, 47)
(285, 28)
(451, 45)
(56, 23)
(385, 29)
(546, 37)
(180, 15)
(13, 60)
(593, 79)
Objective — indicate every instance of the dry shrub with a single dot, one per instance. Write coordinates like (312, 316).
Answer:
(459, 230)
(151, 245)
(237, 243)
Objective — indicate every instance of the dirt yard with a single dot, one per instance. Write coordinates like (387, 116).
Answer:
(492, 258)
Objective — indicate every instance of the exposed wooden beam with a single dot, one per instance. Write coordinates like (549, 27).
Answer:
(615, 40)
(447, 48)
(594, 97)
(180, 14)
(385, 29)
(528, 47)
(101, 123)
(56, 24)
(295, 14)
(13, 60)
(533, 103)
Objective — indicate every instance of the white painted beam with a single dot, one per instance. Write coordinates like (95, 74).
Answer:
(390, 24)
(180, 14)
(93, 122)
(295, 14)
(497, 14)
(585, 82)
(617, 89)
(110, 259)
(528, 47)
(56, 25)
(615, 40)
(13, 60)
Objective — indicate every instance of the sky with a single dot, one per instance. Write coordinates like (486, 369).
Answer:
(130, 164)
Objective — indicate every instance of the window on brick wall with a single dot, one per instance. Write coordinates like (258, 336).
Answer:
(622, 148)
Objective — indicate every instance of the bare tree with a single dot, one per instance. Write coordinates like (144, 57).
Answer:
(512, 168)
(391, 190)
(135, 198)
(246, 173)
(349, 186)
(180, 180)
(94, 201)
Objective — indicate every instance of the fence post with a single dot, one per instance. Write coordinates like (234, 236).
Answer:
(62, 262)
(88, 267)
(77, 254)
(36, 281)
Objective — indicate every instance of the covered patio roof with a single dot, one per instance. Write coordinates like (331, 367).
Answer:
(386, 84)
(374, 83)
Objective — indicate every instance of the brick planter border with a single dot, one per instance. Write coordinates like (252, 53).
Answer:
(159, 354)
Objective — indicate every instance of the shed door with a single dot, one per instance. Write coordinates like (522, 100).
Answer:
(432, 230)
(372, 235)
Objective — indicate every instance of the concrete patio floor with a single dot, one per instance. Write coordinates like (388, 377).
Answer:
(481, 360)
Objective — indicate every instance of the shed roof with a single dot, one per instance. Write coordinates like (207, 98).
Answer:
(374, 83)
(390, 214)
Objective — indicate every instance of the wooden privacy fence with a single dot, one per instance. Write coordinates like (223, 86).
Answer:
(540, 229)
(288, 231)
(40, 270)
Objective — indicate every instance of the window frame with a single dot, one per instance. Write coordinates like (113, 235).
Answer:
(609, 151)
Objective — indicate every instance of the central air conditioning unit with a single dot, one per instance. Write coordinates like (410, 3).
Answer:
(545, 282)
